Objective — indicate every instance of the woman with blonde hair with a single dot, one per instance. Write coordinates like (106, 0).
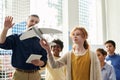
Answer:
(81, 63)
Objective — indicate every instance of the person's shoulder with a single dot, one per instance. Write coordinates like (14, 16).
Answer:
(108, 66)
(67, 53)
(14, 35)
(117, 54)
(91, 52)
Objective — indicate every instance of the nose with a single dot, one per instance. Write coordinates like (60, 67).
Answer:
(34, 23)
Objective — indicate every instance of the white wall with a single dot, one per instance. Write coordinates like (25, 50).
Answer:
(113, 21)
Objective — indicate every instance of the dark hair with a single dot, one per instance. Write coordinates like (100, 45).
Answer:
(59, 42)
(110, 41)
(102, 51)
(34, 15)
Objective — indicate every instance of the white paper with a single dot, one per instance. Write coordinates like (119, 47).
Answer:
(33, 57)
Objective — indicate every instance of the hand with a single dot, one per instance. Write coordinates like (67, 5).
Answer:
(8, 22)
(45, 44)
(37, 62)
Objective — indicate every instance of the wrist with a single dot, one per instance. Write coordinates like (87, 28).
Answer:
(49, 52)
(5, 29)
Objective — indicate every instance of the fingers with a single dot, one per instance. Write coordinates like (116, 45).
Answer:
(9, 18)
(43, 41)
(8, 22)
(37, 62)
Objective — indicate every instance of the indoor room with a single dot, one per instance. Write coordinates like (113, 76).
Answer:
(100, 18)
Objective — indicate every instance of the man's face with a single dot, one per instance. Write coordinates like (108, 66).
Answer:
(32, 21)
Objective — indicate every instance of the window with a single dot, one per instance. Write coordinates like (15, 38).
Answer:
(90, 16)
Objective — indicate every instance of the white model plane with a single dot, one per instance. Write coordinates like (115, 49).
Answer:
(35, 31)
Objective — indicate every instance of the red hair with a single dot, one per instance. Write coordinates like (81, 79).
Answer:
(84, 35)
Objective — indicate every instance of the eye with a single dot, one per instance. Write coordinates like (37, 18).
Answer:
(31, 20)
(78, 34)
(34, 21)
(98, 54)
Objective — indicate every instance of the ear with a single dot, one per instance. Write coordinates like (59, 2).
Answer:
(60, 49)
(105, 56)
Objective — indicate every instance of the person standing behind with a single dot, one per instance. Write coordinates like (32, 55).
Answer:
(107, 70)
(22, 49)
(112, 57)
(55, 74)
(81, 63)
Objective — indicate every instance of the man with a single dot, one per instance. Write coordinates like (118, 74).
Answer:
(113, 58)
(22, 49)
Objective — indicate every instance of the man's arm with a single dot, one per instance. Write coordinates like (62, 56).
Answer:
(3, 36)
(7, 25)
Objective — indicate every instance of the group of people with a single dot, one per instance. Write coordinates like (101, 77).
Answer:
(80, 63)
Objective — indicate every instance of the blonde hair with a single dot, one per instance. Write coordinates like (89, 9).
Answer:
(84, 35)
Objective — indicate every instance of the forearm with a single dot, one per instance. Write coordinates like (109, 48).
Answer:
(3, 35)
(55, 63)
(49, 52)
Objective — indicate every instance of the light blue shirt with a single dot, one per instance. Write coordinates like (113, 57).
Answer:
(108, 72)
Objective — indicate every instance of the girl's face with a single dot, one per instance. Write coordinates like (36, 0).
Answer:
(77, 37)
(56, 49)
(101, 57)
(110, 48)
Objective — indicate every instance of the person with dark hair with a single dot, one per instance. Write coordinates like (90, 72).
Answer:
(22, 49)
(107, 70)
(56, 44)
(81, 63)
(55, 74)
(112, 57)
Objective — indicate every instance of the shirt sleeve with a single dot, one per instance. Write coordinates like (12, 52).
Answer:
(112, 74)
(44, 57)
(9, 42)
